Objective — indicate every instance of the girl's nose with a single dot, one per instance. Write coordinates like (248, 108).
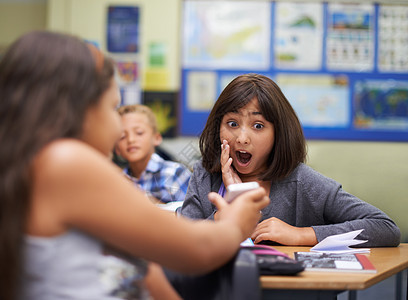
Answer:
(243, 137)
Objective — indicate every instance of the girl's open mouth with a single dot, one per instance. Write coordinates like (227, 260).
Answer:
(243, 157)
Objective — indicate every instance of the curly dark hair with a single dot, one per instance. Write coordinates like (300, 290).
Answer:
(47, 82)
(290, 146)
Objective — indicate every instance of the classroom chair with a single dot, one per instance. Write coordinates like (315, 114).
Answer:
(236, 280)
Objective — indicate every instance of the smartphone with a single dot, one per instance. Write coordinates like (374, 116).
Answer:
(236, 189)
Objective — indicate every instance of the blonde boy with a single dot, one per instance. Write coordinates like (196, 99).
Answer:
(164, 181)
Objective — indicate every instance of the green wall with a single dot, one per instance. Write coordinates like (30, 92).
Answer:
(375, 172)
(17, 18)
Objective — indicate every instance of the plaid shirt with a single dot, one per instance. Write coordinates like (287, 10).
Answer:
(163, 179)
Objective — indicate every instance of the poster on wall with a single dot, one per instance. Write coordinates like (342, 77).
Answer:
(123, 29)
(202, 90)
(320, 101)
(393, 38)
(157, 74)
(381, 105)
(127, 76)
(163, 105)
(213, 38)
(350, 37)
(298, 35)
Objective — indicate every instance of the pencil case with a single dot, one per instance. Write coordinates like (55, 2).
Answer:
(273, 262)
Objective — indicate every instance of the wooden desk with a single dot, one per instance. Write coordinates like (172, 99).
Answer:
(326, 285)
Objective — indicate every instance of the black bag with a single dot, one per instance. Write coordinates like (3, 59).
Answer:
(273, 262)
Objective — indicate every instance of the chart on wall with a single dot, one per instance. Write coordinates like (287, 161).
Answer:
(350, 37)
(298, 37)
(392, 36)
(342, 66)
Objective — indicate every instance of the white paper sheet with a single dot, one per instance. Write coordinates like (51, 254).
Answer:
(247, 242)
(340, 243)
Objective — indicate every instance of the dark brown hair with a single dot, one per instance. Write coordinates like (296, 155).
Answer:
(290, 146)
(47, 83)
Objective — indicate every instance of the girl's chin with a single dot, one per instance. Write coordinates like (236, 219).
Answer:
(248, 173)
(242, 166)
(244, 170)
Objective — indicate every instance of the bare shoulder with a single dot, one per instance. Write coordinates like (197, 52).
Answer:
(70, 161)
(64, 156)
(65, 151)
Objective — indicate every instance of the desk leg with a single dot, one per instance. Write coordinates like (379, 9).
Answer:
(299, 295)
(398, 286)
(401, 285)
(352, 295)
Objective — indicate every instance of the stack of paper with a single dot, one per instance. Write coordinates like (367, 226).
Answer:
(340, 243)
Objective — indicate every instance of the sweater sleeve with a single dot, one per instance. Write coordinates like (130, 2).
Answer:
(196, 204)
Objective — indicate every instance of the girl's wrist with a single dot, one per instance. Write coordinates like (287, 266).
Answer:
(307, 236)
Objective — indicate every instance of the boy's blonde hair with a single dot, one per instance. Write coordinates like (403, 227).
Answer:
(142, 109)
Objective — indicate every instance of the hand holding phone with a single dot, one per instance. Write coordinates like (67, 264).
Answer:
(236, 189)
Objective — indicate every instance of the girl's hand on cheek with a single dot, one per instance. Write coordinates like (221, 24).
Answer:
(229, 176)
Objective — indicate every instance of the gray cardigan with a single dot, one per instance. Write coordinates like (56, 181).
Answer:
(305, 198)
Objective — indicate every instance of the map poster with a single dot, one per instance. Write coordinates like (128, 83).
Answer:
(298, 35)
(225, 35)
(350, 37)
(320, 101)
(381, 105)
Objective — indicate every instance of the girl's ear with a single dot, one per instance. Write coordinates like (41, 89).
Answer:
(157, 139)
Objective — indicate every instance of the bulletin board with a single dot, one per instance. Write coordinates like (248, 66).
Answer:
(342, 66)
